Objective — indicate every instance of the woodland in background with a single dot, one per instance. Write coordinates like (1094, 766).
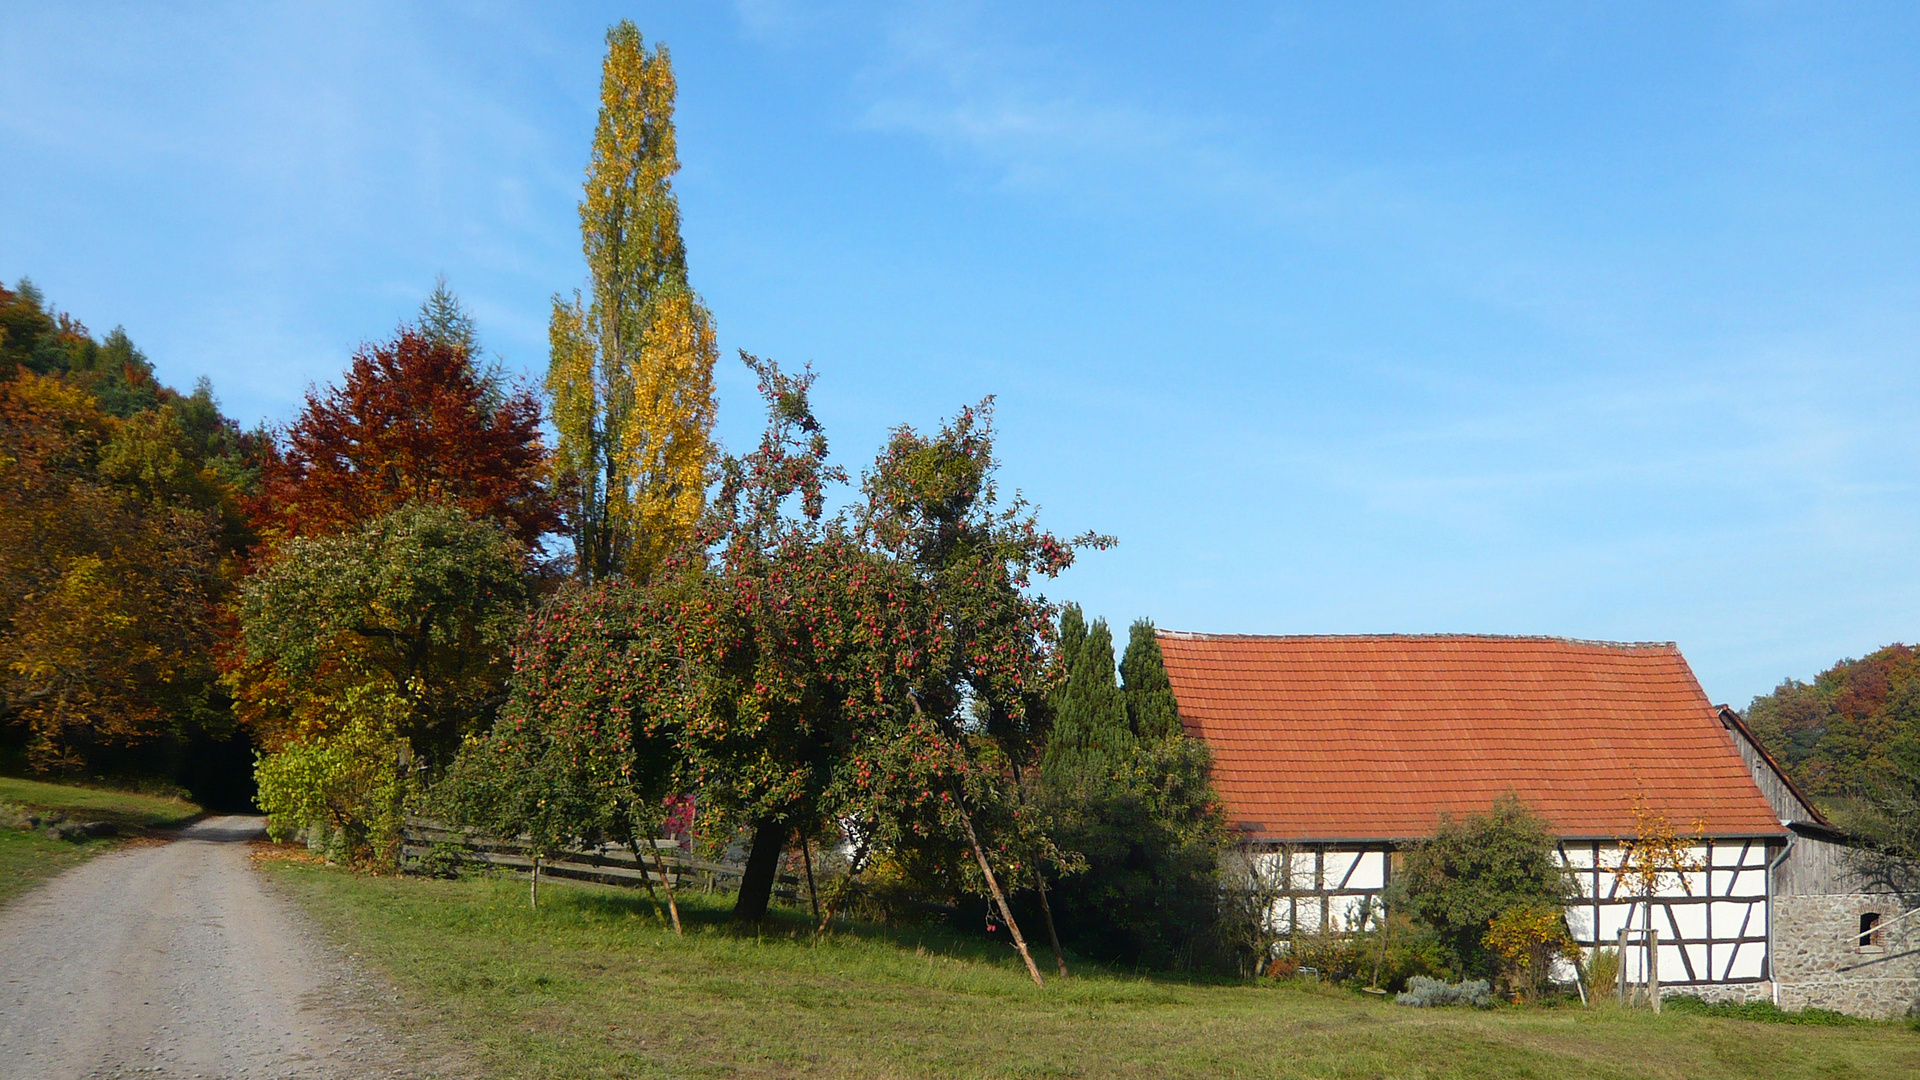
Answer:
(1851, 740)
(123, 534)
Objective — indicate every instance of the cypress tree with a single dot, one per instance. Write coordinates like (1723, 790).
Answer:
(1129, 793)
(1090, 737)
(1151, 711)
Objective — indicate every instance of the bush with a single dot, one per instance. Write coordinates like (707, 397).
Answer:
(342, 789)
(1412, 949)
(1528, 939)
(1425, 993)
(1470, 872)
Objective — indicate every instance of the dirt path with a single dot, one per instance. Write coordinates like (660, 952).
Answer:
(174, 960)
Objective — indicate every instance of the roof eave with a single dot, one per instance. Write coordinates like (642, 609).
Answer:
(1404, 841)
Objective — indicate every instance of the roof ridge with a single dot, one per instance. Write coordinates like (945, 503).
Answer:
(1196, 635)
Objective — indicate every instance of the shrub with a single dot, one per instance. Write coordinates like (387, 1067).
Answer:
(1469, 872)
(1603, 972)
(343, 787)
(1527, 939)
(1411, 949)
(1425, 993)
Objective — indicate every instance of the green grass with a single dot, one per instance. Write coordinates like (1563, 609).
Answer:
(593, 985)
(27, 858)
(127, 809)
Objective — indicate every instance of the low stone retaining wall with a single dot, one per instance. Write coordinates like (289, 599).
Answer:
(1722, 993)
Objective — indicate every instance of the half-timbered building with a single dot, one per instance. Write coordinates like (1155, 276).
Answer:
(1333, 754)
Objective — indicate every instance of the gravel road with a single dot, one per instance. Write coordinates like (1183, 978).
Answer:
(175, 960)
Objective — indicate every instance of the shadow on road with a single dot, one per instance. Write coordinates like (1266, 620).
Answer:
(232, 828)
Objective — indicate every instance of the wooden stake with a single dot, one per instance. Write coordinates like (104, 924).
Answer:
(673, 906)
(533, 892)
(993, 885)
(806, 859)
(1653, 965)
(1000, 898)
(1621, 978)
(1046, 909)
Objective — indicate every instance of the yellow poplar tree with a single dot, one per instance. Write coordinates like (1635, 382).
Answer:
(631, 366)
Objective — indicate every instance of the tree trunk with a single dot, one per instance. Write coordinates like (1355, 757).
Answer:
(1053, 936)
(533, 890)
(763, 865)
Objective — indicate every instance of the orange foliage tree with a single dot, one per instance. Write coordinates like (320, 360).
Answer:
(413, 422)
(109, 578)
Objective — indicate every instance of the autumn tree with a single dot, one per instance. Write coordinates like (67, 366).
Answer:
(796, 636)
(933, 505)
(1850, 739)
(412, 422)
(423, 603)
(112, 371)
(631, 366)
(1834, 733)
(587, 749)
(120, 531)
(757, 668)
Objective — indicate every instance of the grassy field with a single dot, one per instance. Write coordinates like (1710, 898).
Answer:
(593, 985)
(27, 858)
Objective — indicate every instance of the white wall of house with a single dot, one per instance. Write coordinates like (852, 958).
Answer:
(1713, 922)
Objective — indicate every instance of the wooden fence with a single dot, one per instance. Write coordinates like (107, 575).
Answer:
(422, 838)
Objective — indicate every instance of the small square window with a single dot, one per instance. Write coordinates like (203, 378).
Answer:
(1870, 930)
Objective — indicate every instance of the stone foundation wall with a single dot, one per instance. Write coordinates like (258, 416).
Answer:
(1729, 993)
(1814, 937)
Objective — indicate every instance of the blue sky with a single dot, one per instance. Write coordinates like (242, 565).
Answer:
(1591, 320)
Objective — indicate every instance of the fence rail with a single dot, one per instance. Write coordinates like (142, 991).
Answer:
(422, 838)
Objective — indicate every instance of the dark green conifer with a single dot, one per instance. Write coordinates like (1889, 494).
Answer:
(1151, 711)
(445, 320)
(1091, 737)
(1126, 791)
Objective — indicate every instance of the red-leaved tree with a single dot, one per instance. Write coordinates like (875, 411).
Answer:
(413, 422)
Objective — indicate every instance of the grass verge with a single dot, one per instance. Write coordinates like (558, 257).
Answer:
(30, 857)
(594, 985)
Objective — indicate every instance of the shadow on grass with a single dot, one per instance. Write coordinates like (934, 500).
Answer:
(711, 914)
(128, 811)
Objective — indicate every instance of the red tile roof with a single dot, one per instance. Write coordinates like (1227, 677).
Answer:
(1373, 737)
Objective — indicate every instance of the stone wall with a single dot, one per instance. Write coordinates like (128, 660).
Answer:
(1815, 937)
(1729, 993)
